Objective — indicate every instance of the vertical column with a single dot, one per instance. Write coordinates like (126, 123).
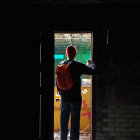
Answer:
(47, 88)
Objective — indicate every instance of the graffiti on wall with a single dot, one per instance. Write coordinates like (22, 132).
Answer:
(88, 113)
(85, 110)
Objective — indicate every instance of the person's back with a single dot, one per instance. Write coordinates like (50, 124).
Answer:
(77, 69)
(71, 99)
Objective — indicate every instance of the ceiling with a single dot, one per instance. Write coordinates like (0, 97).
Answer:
(88, 1)
(72, 38)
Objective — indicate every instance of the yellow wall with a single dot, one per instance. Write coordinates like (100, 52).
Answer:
(85, 111)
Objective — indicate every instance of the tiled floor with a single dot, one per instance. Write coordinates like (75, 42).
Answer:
(83, 135)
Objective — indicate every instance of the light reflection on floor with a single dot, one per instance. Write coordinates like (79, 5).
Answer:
(83, 135)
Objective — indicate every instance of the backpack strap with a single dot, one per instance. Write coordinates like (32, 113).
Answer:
(68, 62)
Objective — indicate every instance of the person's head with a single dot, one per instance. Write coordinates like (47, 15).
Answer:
(71, 52)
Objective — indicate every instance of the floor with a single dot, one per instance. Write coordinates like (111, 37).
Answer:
(83, 135)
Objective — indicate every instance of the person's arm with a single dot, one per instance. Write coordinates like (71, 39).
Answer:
(58, 89)
(88, 70)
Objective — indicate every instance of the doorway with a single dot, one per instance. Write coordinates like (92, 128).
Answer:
(84, 44)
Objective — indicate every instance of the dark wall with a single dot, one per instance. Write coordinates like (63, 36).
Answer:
(116, 88)
(117, 78)
(20, 41)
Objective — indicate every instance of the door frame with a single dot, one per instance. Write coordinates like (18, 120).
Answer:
(47, 101)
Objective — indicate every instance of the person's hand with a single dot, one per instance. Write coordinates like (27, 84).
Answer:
(91, 64)
(89, 61)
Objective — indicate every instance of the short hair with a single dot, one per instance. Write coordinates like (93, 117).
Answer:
(71, 51)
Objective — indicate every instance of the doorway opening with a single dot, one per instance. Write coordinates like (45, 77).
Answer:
(84, 44)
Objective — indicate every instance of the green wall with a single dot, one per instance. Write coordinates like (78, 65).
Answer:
(83, 52)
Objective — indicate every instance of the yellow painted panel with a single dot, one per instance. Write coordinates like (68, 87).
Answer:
(86, 93)
(85, 110)
(57, 119)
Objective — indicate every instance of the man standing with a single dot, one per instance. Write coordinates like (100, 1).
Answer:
(68, 83)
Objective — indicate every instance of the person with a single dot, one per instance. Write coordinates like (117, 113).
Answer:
(71, 99)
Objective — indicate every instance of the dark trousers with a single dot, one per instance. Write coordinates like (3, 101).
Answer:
(66, 109)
